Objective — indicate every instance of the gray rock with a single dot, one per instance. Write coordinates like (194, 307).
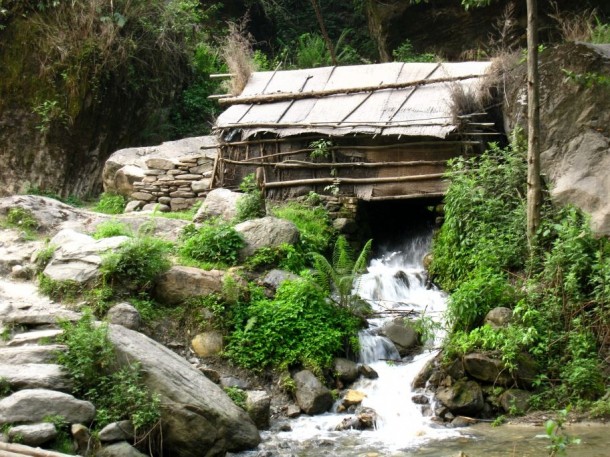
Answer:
(36, 376)
(201, 186)
(48, 212)
(293, 411)
(117, 431)
(180, 283)
(29, 354)
(211, 374)
(345, 225)
(232, 381)
(32, 435)
(365, 419)
(368, 372)
(404, 337)
(275, 278)
(499, 317)
(311, 395)
(515, 401)
(81, 439)
(218, 203)
(156, 207)
(198, 417)
(126, 315)
(78, 256)
(133, 205)
(125, 177)
(34, 337)
(258, 405)
(345, 370)
(122, 449)
(265, 232)
(33, 405)
(463, 397)
(487, 368)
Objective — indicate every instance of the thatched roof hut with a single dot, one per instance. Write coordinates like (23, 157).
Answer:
(374, 132)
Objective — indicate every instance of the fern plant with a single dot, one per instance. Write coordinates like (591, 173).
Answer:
(339, 278)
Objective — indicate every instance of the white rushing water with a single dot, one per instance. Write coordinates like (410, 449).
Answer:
(396, 286)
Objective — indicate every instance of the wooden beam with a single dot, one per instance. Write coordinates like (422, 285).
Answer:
(405, 197)
(286, 96)
(339, 181)
(302, 164)
(222, 75)
(217, 96)
(23, 450)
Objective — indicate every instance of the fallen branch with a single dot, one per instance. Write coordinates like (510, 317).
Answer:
(303, 164)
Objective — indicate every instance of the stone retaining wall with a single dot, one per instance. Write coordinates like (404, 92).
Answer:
(173, 184)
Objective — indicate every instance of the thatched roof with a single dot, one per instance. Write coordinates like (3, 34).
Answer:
(408, 99)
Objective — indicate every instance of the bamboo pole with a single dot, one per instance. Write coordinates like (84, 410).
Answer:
(405, 197)
(302, 164)
(317, 137)
(339, 181)
(286, 96)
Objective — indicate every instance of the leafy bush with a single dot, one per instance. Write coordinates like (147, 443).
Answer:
(215, 241)
(44, 256)
(297, 327)
(406, 53)
(21, 219)
(285, 257)
(237, 395)
(251, 205)
(117, 395)
(110, 204)
(137, 262)
(109, 229)
(313, 223)
(59, 290)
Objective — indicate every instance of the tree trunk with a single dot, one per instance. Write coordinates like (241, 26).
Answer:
(329, 43)
(534, 186)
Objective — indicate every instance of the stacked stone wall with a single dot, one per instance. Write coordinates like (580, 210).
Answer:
(173, 184)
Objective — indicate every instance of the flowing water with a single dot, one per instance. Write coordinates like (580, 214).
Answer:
(396, 286)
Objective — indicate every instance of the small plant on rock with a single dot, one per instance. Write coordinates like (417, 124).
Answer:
(112, 228)
(251, 205)
(215, 242)
(110, 204)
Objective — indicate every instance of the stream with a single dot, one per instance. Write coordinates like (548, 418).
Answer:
(396, 285)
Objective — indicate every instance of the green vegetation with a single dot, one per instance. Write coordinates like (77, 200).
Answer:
(406, 53)
(337, 279)
(5, 387)
(67, 291)
(313, 223)
(44, 256)
(136, 263)
(297, 327)
(112, 228)
(284, 257)
(560, 295)
(237, 395)
(215, 242)
(22, 219)
(251, 205)
(110, 204)
(117, 394)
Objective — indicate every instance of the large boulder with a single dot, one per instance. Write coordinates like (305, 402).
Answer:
(266, 232)
(29, 354)
(515, 401)
(117, 431)
(220, 203)
(78, 256)
(345, 370)
(124, 166)
(121, 449)
(181, 283)
(198, 418)
(463, 397)
(126, 315)
(403, 335)
(311, 395)
(34, 405)
(207, 344)
(487, 368)
(499, 317)
(574, 135)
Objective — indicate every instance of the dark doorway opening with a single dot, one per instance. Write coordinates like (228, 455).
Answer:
(390, 223)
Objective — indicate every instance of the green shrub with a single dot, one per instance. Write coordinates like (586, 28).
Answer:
(297, 327)
(44, 256)
(67, 291)
(313, 223)
(22, 219)
(406, 53)
(109, 229)
(237, 395)
(215, 241)
(117, 394)
(285, 257)
(251, 205)
(137, 263)
(110, 204)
